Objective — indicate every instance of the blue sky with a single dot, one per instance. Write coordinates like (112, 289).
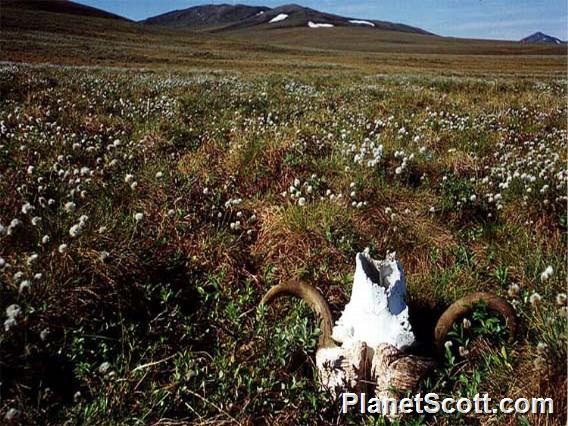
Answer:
(493, 19)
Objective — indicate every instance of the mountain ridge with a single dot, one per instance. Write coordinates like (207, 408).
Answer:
(225, 17)
(540, 37)
(205, 15)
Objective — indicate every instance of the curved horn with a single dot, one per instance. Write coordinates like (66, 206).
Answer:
(314, 298)
(465, 306)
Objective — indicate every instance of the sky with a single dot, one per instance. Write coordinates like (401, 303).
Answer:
(488, 19)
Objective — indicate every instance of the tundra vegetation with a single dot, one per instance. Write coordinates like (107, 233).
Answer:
(144, 213)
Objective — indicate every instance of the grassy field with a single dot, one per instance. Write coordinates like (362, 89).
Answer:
(144, 213)
(40, 37)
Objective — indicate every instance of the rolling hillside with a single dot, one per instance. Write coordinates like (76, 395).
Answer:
(298, 27)
(229, 18)
(365, 40)
(205, 16)
(39, 36)
(60, 6)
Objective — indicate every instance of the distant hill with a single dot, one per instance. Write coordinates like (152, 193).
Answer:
(68, 34)
(206, 16)
(230, 18)
(60, 6)
(539, 37)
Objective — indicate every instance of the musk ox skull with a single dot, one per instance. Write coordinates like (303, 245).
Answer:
(367, 349)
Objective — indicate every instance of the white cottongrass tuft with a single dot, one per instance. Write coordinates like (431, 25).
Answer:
(27, 208)
(104, 368)
(514, 290)
(535, 299)
(11, 415)
(15, 223)
(12, 313)
(24, 286)
(547, 273)
(541, 348)
(31, 259)
(69, 206)
(44, 333)
(76, 230)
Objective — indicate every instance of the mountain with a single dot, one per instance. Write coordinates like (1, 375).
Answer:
(539, 37)
(226, 17)
(206, 16)
(60, 6)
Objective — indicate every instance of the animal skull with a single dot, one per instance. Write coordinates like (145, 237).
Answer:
(366, 350)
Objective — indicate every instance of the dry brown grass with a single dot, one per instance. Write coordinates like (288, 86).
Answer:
(259, 164)
(293, 239)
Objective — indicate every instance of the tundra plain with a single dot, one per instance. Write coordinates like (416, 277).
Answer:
(155, 183)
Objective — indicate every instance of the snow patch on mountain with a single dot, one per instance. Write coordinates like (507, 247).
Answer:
(360, 22)
(278, 18)
(319, 25)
